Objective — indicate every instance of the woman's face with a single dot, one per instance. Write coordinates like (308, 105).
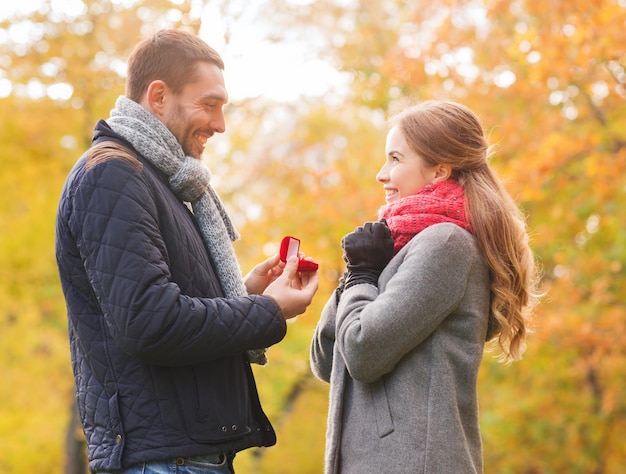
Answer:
(404, 172)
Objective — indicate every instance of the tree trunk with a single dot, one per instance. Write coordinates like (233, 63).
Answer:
(75, 446)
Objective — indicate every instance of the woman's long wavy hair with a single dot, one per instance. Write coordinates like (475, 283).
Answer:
(445, 132)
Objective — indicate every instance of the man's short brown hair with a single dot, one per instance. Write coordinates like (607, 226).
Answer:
(170, 56)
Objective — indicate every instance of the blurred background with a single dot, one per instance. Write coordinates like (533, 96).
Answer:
(312, 84)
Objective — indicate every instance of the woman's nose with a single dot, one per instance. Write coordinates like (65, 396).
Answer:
(382, 175)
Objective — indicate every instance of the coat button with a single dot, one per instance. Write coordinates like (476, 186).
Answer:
(118, 439)
(224, 429)
(234, 427)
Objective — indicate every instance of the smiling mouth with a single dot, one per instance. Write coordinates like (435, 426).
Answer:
(202, 139)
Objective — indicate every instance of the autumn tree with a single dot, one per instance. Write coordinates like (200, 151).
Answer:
(61, 70)
(548, 81)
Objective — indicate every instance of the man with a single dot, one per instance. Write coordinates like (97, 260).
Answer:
(162, 326)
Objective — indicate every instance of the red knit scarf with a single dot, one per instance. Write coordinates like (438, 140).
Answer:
(433, 204)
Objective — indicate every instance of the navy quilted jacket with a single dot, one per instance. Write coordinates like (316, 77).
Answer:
(158, 353)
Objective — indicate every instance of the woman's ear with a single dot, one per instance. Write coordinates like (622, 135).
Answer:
(442, 172)
(155, 97)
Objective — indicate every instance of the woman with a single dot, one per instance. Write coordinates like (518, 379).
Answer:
(445, 270)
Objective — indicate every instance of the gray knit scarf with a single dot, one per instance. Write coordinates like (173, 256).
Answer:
(190, 181)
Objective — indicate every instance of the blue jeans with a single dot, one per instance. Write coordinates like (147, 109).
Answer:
(191, 465)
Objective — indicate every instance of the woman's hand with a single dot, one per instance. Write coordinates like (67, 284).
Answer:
(367, 251)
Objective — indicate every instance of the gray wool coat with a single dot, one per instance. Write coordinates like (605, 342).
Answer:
(402, 361)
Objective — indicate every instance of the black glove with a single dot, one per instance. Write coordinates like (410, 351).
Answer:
(367, 252)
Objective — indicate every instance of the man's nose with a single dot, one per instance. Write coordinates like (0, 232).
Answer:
(218, 122)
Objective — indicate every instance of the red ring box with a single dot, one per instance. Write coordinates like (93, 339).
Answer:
(291, 246)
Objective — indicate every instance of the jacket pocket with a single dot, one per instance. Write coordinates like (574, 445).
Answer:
(380, 402)
(214, 400)
(116, 430)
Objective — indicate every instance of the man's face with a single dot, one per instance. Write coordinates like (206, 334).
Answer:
(196, 113)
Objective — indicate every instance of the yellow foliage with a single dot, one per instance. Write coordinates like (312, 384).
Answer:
(561, 135)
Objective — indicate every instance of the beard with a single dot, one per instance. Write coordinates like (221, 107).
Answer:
(180, 125)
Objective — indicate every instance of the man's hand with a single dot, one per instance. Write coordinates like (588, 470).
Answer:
(263, 274)
(293, 291)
